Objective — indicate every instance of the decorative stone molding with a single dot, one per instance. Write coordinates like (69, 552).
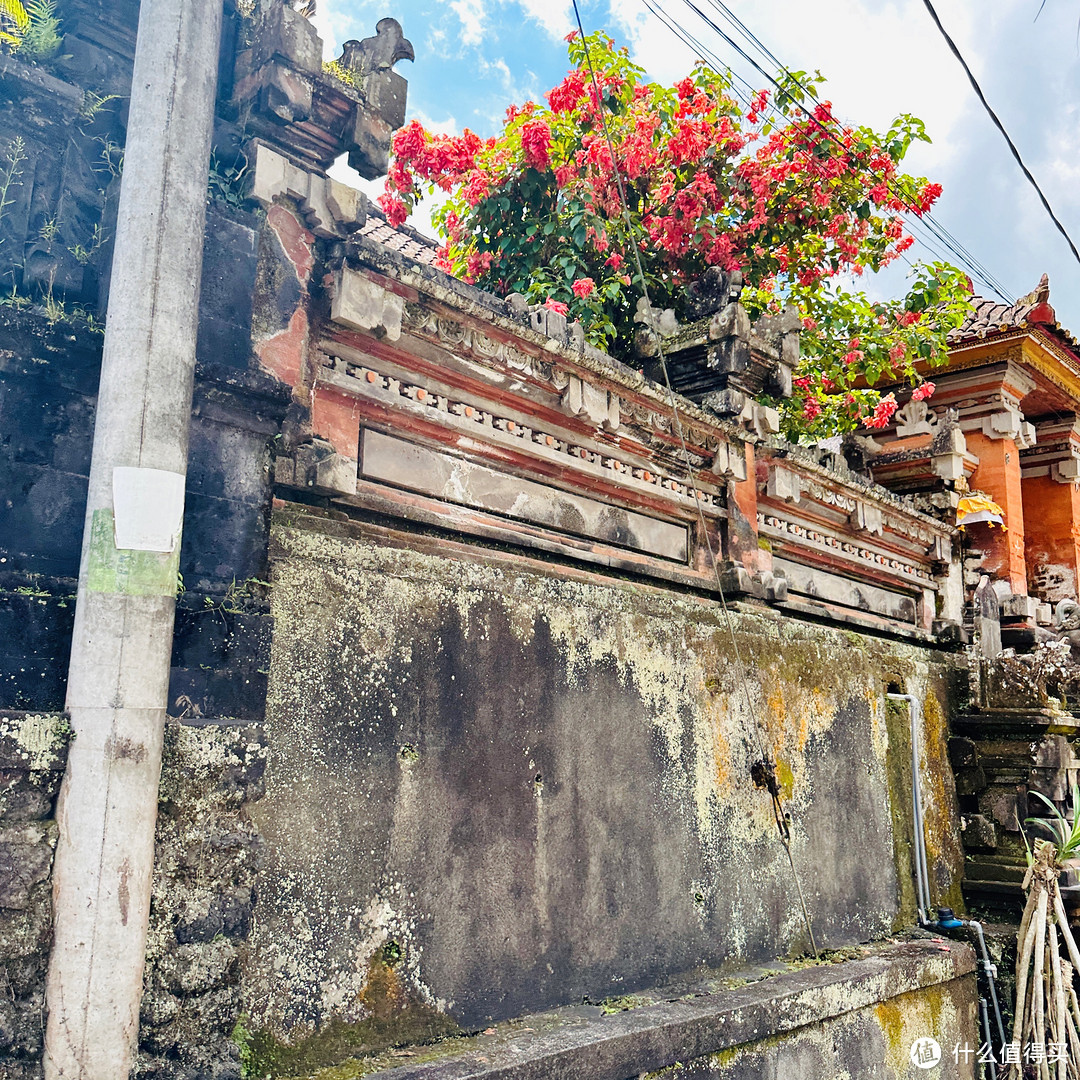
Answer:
(783, 484)
(476, 416)
(1066, 471)
(466, 341)
(317, 466)
(868, 519)
(290, 102)
(330, 208)
(1015, 606)
(913, 419)
(1010, 424)
(595, 404)
(361, 304)
(824, 541)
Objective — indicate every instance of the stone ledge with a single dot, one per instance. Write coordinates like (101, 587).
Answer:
(655, 1036)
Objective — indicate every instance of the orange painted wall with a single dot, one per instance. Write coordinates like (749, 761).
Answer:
(335, 417)
(1052, 517)
(743, 541)
(998, 474)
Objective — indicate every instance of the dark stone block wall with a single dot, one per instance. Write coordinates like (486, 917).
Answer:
(208, 856)
(33, 750)
(48, 385)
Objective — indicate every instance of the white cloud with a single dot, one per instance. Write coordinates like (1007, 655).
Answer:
(337, 22)
(473, 16)
(552, 15)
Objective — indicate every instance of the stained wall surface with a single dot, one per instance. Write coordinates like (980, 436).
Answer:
(528, 784)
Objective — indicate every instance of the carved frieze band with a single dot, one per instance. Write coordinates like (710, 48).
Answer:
(466, 341)
(834, 544)
(792, 486)
(653, 427)
(367, 379)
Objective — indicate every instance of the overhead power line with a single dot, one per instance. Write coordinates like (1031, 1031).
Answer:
(745, 96)
(920, 226)
(938, 241)
(1001, 127)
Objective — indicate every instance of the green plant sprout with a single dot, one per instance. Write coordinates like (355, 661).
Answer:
(1065, 833)
(14, 21)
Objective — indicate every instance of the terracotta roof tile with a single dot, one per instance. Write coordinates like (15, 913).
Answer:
(403, 239)
(990, 317)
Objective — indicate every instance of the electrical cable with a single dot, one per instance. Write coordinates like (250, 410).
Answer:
(1001, 127)
(958, 251)
(697, 46)
(768, 771)
(918, 224)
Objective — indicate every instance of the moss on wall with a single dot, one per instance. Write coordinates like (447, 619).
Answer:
(537, 781)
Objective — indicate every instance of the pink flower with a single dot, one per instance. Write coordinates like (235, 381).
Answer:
(568, 93)
(883, 412)
(557, 306)
(535, 139)
(921, 393)
(395, 210)
(583, 287)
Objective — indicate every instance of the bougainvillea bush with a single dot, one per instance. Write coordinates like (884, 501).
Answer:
(795, 201)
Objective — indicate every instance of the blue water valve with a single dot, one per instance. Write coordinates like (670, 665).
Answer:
(947, 920)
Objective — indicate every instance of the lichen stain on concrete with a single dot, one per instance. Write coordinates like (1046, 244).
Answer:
(643, 836)
(39, 738)
(943, 844)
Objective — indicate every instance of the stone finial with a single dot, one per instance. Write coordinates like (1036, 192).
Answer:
(378, 53)
(310, 116)
(912, 419)
(661, 320)
(714, 290)
(1039, 299)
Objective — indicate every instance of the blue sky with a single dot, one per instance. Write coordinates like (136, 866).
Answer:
(474, 57)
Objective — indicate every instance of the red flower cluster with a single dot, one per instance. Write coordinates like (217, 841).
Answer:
(791, 204)
(883, 412)
(535, 140)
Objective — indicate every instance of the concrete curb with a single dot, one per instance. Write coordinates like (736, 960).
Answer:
(655, 1036)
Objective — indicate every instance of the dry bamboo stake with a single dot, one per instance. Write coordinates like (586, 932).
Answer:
(1047, 1005)
(1066, 932)
(1038, 1000)
(1024, 953)
(1074, 1042)
(1075, 1007)
(1073, 1018)
(1058, 992)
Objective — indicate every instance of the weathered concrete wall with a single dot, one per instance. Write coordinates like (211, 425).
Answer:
(33, 749)
(852, 1016)
(208, 857)
(871, 1043)
(533, 784)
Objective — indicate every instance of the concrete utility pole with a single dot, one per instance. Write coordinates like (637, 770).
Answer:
(119, 674)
